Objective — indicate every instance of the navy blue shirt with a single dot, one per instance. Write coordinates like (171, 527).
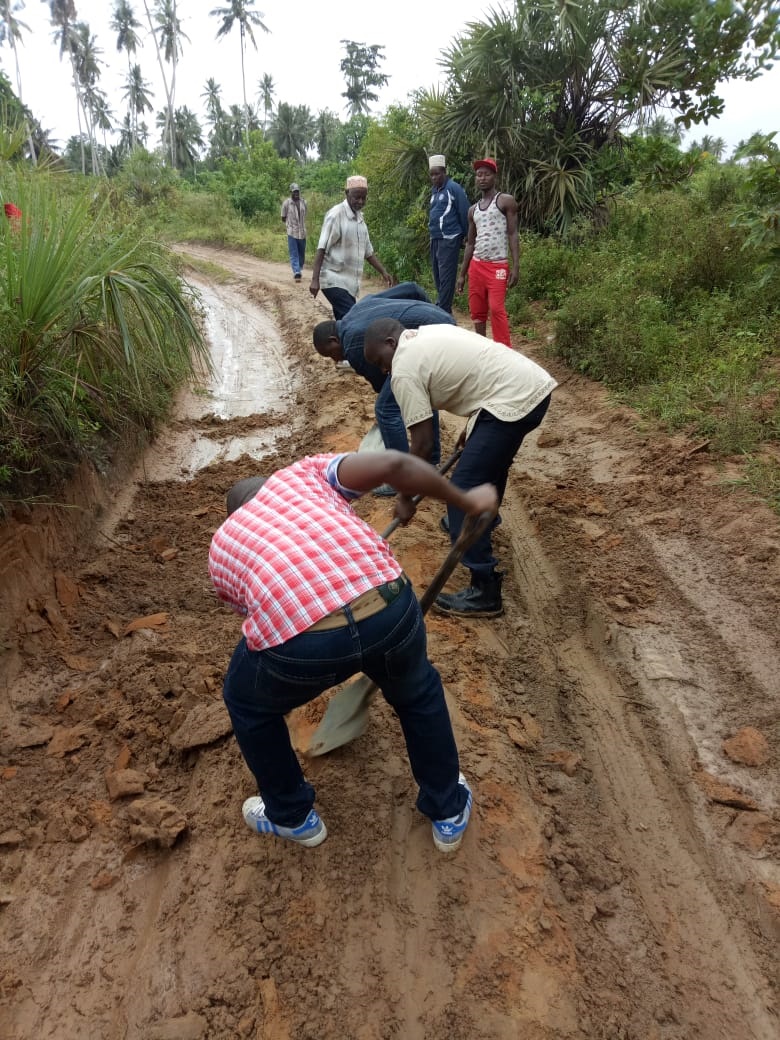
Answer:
(449, 212)
(411, 313)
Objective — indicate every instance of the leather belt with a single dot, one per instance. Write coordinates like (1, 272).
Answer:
(363, 607)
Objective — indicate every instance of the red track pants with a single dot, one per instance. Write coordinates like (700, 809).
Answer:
(487, 295)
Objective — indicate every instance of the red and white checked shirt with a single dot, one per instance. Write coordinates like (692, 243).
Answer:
(296, 552)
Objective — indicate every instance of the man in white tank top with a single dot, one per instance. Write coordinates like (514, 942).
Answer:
(492, 237)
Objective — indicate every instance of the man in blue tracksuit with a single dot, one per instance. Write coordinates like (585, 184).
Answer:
(342, 340)
(448, 225)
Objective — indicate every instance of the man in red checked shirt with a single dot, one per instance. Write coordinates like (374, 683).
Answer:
(323, 599)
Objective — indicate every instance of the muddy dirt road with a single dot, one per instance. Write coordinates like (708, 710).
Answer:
(621, 875)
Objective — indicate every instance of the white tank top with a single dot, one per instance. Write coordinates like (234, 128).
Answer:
(491, 241)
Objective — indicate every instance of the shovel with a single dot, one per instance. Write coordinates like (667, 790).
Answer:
(346, 716)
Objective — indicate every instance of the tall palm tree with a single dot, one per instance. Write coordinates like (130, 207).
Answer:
(138, 97)
(211, 95)
(266, 90)
(102, 114)
(293, 130)
(11, 32)
(239, 13)
(124, 23)
(62, 14)
(86, 55)
(170, 35)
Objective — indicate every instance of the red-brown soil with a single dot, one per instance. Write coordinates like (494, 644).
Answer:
(621, 875)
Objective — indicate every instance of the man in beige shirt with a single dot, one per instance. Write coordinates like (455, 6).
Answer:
(503, 394)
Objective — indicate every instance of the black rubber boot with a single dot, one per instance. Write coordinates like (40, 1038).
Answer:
(481, 599)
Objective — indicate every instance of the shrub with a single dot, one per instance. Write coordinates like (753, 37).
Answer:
(95, 331)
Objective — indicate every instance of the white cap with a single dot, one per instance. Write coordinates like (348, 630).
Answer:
(436, 161)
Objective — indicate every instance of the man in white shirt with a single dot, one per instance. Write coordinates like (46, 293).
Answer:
(343, 246)
(503, 394)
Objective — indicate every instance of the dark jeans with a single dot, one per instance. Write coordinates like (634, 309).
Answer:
(391, 424)
(444, 261)
(297, 250)
(341, 301)
(486, 458)
(261, 687)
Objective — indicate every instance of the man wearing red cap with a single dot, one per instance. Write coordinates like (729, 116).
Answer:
(492, 234)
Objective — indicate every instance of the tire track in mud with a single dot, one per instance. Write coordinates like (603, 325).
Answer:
(559, 917)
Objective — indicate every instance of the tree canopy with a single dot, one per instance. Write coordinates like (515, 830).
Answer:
(545, 85)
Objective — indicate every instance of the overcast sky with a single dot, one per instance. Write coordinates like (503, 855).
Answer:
(302, 54)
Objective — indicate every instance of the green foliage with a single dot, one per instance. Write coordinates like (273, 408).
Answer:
(545, 86)
(397, 213)
(665, 308)
(545, 263)
(759, 214)
(95, 330)
(348, 137)
(328, 178)
(253, 179)
(145, 179)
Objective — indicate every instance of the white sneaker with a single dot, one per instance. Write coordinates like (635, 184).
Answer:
(448, 834)
(310, 833)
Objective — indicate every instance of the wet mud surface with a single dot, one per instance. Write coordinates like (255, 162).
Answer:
(621, 875)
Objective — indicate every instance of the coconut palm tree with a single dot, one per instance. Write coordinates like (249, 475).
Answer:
(213, 100)
(86, 55)
(292, 131)
(101, 117)
(124, 23)
(169, 31)
(62, 14)
(10, 33)
(714, 146)
(660, 126)
(138, 97)
(188, 136)
(266, 91)
(240, 13)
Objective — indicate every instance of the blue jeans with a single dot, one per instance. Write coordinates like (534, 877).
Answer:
(486, 458)
(297, 250)
(340, 300)
(390, 647)
(444, 261)
(391, 424)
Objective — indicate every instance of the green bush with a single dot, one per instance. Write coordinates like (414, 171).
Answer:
(545, 264)
(95, 331)
(666, 308)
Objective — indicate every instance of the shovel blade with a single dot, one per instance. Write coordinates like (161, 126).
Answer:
(345, 718)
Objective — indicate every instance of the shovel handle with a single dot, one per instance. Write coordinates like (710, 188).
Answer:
(473, 527)
(445, 467)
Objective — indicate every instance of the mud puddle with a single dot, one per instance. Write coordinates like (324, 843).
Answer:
(250, 378)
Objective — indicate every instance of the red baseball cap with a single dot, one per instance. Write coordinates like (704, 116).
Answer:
(490, 163)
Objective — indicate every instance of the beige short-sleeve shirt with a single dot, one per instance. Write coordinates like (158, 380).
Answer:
(344, 237)
(444, 367)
